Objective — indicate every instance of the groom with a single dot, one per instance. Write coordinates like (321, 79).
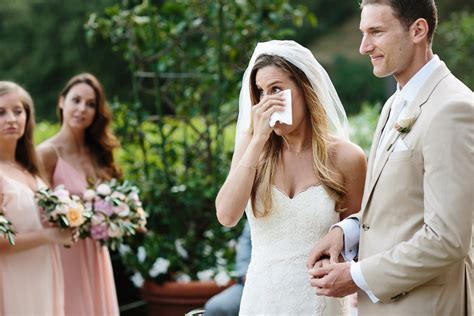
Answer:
(413, 235)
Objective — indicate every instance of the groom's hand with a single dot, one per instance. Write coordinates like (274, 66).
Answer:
(329, 246)
(333, 280)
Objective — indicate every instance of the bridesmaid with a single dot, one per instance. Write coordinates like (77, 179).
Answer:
(31, 281)
(81, 153)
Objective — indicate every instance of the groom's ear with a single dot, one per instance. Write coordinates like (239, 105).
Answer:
(419, 31)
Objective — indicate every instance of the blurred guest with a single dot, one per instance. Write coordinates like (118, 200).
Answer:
(227, 303)
(31, 281)
(81, 154)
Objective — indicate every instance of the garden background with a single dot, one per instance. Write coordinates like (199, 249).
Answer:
(171, 72)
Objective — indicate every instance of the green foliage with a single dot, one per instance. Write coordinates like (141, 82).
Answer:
(455, 45)
(45, 130)
(330, 16)
(362, 126)
(43, 45)
(187, 60)
(356, 83)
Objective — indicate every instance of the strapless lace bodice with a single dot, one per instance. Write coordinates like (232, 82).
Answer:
(277, 280)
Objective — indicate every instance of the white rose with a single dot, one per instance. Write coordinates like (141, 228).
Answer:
(134, 197)
(89, 195)
(207, 250)
(124, 249)
(122, 210)
(103, 189)
(205, 275)
(63, 196)
(118, 195)
(406, 121)
(137, 279)
(209, 234)
(180, 249)
(221, 278)
(60, 209)
(141, 254)
(159, 267)
(183, 278)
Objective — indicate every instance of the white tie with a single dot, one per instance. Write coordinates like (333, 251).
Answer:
(397, 107)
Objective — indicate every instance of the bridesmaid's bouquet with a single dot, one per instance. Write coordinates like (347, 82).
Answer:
(117, 213)
(6, 229)
(62, 209)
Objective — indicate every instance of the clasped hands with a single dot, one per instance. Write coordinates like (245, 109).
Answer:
(329, 274)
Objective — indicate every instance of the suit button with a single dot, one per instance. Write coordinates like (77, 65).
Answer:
(365, 227)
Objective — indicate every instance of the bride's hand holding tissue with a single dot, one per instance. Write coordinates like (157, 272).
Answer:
(263, 111)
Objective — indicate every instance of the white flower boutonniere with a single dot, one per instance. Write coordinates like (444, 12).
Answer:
(406, 121)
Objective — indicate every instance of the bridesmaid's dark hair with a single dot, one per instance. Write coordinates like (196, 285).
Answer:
(25, 153)
(99, 137)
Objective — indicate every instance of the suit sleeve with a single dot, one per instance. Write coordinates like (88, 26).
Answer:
(445, 237)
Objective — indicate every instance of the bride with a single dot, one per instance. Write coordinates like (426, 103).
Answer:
(292, 180)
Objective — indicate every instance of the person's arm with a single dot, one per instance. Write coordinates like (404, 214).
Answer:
(351, 230)
(350, 161)
(445, 237)
(29, 240)
(49, 158)
(235, 192)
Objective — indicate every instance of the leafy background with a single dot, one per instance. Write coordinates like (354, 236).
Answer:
(172, 72)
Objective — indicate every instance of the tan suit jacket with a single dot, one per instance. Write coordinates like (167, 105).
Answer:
(417, 211)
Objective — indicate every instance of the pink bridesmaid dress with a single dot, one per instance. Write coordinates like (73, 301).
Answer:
(31, 281)
(88, 276)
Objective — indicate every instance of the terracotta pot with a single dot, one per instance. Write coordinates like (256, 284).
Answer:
(176, 299)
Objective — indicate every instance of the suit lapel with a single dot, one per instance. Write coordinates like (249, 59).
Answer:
(421, 98)
(376, 139)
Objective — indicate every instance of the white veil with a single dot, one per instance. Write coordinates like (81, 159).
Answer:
(302, 58)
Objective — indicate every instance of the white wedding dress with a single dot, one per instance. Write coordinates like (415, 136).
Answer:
(277, 281)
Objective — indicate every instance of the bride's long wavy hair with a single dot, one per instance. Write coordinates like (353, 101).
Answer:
(320, 140)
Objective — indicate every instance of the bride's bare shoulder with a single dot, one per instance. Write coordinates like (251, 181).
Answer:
(347, 156)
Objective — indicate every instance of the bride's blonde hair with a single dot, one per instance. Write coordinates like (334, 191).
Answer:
(320, 141)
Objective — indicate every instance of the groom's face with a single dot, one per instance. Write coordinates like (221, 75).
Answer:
(385, 40)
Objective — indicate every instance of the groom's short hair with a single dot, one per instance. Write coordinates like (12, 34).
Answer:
(408, 11)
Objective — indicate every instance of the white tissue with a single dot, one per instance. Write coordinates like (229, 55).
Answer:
(284, 116)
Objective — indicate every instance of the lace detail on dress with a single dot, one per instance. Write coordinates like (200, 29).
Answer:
(277, 281)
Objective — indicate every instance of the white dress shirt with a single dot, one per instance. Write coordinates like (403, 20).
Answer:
(351, 226)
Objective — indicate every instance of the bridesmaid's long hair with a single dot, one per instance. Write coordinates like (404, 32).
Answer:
(320, 141)
(25, 153)
(98, 137)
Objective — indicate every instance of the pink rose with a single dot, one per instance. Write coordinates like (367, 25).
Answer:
(104, 207)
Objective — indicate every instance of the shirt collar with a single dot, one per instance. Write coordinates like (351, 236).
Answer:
(413, 86)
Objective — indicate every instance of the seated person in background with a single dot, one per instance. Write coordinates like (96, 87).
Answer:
(227, 302)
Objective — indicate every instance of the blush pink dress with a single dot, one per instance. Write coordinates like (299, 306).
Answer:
(31, 281)
(88, 276)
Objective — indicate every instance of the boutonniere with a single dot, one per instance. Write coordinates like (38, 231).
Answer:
(406, 121)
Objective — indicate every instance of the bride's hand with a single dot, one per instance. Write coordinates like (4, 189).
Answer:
(322, 263)
(330, 246)
(263, 110)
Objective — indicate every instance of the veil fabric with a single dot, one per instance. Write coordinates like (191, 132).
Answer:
(302, 58)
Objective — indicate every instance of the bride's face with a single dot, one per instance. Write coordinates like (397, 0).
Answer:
(271, 80)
